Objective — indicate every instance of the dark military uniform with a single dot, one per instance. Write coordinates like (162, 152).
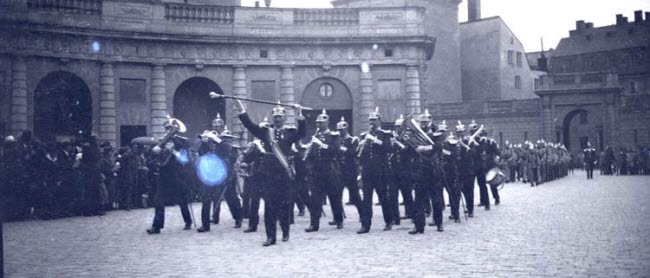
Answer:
(466, 173)
(452, 157)
(277, 188)
(403, 159)
(252, 184)
(375, 175)
(347, 160)
(326, 174)
(429, 186)
(171, 185)
(590, 160)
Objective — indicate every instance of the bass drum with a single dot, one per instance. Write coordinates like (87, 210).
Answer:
(495, 177)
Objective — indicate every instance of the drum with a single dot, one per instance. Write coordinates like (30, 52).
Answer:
(495, 177)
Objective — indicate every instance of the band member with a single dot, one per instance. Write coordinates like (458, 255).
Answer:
(402, 161)
(217, 142)
(590, 160)
(373, 152)
(466, 167)
(276, 167)
(230, 194)
(452, 156)
(347, 158)
(479, 170)
(250, 165)
(322, 154)
(171, 187)
(488, 152)
(426, 125)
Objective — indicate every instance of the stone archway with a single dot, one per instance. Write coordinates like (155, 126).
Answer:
(581, 126)
(193, 105)
(331, 94)
(62, 106)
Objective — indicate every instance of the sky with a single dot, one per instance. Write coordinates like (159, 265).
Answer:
(530, 20)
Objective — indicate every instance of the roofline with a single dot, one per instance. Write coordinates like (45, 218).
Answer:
(482, 19)
(502, 22)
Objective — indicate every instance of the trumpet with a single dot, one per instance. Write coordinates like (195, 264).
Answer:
(364, 142)
(210, 135)
(309, 146)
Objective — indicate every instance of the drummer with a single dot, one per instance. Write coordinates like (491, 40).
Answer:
(488, 152)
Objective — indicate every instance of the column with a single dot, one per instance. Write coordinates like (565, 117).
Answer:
(239, 90)
(610, 101)
(18, 96)
(107, 111)
(366, 97)
(287, 94)
(413, 102)
(158, 101)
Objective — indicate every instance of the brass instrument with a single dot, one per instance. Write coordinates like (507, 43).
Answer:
(210, 135)
(413, 135)
(177, 126)
(309, 146)
(365, 140)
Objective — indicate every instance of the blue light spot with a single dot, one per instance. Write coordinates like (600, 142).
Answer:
(96, 46)
(211, 170)
(183, 157)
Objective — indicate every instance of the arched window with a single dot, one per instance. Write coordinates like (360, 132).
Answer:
(326, 90)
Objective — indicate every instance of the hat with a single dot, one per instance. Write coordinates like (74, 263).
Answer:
(374, 115)
(342, 124)
(323, 117)
(425, 117)
(460, 127)
(441, 129)
(473, 126)
(218, 121)
(400, 120)
(279, 111)
(10, 139)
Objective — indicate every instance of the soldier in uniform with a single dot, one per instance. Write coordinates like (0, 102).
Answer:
(322, 155)
(347, 157)
(451, 158)
(276, 167)
(402, 161)
(487, 151)
(479, 169)
(252, 195)
(219, 143)
(590, 160)
(466, 167)
(170, 179)
(373, 157)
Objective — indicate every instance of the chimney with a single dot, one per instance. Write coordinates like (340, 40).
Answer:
(580, 24)
(647, 16)
(638, 16)
(589, 25)
(473, 10)
(619, 19)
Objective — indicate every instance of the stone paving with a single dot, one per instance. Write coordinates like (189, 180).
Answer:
(567, 228)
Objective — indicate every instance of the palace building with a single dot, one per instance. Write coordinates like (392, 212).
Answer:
(118, 68)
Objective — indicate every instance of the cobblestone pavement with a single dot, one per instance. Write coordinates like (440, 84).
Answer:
(566, 228)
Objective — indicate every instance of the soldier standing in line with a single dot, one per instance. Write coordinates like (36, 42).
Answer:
(249, 165)
(466, 168)
(347, 157)
(402, 160)
(532, 165)
(276, 166)
(479, 169)
(373, 156)
(590, 160)
(322, 155)
(451, 159)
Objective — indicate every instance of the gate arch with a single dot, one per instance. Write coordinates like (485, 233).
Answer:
(331, 94)
(193, 105)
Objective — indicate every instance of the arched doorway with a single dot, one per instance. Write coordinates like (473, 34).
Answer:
(330, 94)
(193, 105)
(62, 106)
(579, 127)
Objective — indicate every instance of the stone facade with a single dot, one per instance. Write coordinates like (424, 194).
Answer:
(134, 55)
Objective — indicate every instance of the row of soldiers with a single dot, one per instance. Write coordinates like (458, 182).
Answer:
(418, 157)
(535, 163)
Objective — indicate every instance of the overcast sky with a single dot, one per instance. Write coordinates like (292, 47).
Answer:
(530, 20)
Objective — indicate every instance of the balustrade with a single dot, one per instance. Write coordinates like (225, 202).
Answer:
(203, 14)
(326, 17)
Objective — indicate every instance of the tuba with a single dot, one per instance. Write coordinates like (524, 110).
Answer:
(177, 126)
(413, 135)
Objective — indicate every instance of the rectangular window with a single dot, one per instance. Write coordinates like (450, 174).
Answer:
(519, 59)
(517, 82)
(264, 53)
(525, 135)
(133, 90)
(129, 132)
(388, 53)
(511, 58)
(264, 90)
(536, 83)
(390, 99)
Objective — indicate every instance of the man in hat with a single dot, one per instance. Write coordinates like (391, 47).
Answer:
(402, 161)
(276, 166)
(218, 142)
(428, 127)
(374, 148)
(347, 157)
(221, 131)
(322, 154)
(590, 160)
(466, 167)
(250, 168)
(488, 151)
(171, 187)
